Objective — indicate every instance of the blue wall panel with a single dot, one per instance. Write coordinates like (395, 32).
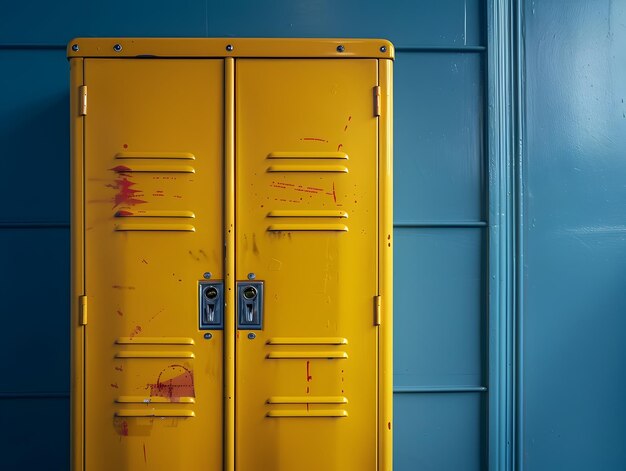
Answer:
(438, 137)
(34, 290)
(438, 307)
(574, 317)
(35, 434)
(34, 136)
(438, 432)
(407, 23)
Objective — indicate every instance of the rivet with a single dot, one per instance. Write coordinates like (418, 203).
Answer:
(229, 47)
(340, 48)
(208, 336)
(207, 275)
(251, 335)
(383, 48)
(75, 47)
(251, 276)
(117, 47)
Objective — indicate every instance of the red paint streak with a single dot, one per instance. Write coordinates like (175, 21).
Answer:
(121, 169)
(124, 214)
(119, 368)
(339, 146)
(176, 386)
(313, 139)
(308, 372)
(114, 385)
(126, 195)
(120, 313)
(334, 194)
(124, 429)
(145, 459)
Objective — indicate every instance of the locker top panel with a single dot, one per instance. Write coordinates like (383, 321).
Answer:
(230, 47)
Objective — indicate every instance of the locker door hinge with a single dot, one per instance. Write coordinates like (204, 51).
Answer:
(82, 100)
(82, 310)
(377, 100)
(377, 313)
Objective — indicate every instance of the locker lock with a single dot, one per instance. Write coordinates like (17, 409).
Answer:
(211, 305)
(250, 305)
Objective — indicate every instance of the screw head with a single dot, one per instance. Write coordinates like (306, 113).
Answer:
(75, 47)
(207, 275)
(340, 48)
(229, 47)
(251, 276)
(251, 335)
(117, 47)
(383, 48)
(208, 336)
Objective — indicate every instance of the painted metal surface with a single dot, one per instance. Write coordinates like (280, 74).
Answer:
(426, 33)
(142, 282)
(574, 236)
(318, 281)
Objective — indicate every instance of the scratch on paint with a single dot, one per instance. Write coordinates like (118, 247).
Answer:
(308, 372)
(313, 139)
(114, 385)
(145, 459)
(143, 260)
(334, 194)
(339, 147)
(123, 287)
(120, 313)
(119, 368)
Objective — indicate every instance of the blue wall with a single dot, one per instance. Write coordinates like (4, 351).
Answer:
(440, 342)
(574, 312)
(572, 356)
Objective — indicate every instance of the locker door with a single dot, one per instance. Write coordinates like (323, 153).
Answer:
(306, 222)
(154, 198)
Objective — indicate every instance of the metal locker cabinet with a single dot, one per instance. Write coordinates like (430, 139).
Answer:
(231, 244)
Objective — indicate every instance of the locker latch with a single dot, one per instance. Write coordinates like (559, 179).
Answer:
(211, 304)
(250, 305)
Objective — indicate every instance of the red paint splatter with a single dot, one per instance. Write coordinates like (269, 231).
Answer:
(339, 147)
(114, 385)
(308, 372)
(334, 194)
(135, 331)
(124, 214)
(145, 459)
(120, 313)
(176, 386)
(126, 195)
(313, 139)
(124, 429)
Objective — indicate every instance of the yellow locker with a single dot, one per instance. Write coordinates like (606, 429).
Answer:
(232, 249)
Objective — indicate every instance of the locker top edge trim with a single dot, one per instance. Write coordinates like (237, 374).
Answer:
(230, 47)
